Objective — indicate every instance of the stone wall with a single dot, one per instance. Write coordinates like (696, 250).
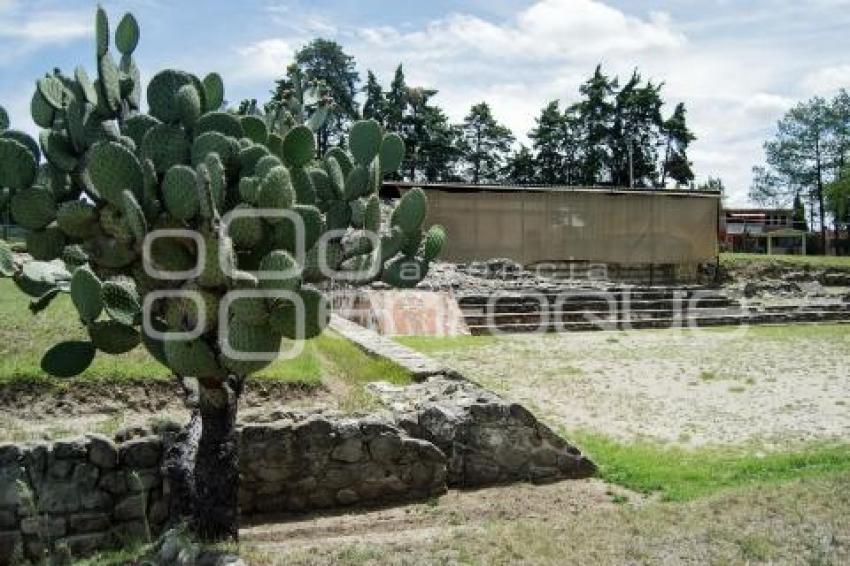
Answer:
(79, 495)
(94, 493)
(486, 439)
(318, 462)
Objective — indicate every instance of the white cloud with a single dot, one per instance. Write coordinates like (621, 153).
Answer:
(265, 59)
(828, 79)
(34, 28)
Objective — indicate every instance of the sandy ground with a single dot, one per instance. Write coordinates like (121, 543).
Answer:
(775, 386)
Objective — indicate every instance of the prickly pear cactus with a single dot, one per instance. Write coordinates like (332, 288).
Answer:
(203, 235)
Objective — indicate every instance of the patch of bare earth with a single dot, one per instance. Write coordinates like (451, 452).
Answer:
(37, 412)
(679, 386)
(577, 522)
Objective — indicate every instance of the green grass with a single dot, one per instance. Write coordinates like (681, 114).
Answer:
(680, 474)
(25, 337)
(431, 344)
(736, 260)
(354, 365)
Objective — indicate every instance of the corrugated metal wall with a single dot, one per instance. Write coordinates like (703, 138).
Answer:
(584, 225)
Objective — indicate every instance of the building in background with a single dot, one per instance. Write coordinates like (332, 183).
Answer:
(761, 230)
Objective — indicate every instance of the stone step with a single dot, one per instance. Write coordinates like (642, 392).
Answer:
(573, 295)
(660, 323)
(418, 365)
(500, 318)
(530, 305)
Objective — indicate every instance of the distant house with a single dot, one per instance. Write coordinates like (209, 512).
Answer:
(761, 230)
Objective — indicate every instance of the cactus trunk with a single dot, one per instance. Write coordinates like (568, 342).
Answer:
(216, 516)
(202, 465)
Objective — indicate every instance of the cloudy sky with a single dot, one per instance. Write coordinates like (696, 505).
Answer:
(737, 64)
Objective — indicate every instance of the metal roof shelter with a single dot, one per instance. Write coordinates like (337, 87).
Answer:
(539, 224)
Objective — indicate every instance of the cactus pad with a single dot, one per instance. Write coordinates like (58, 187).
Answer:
(134, 216)
(112, 168)
(42, 113)
(166, 146)
(246, 231)
(121, 301)
(266, 164)
(180, 192)
(249, 189)
(212, 142)
(47, 244)
(214, 90)
(188, 105)
(410, 211)
(137, 126)
(255, 128)
(110, 82)
(305, 192)
(77, 219)
(342, 158)
(221, 122)
(284, 273)
(299, 146)
(7, 260)
(162, 94)
(404, 273)
(316, 316)
(112, 337)
(218, 252)
(127, 34)
(284, 234)
(244, 337)
(193, 358)
(25, 140)
(434, 242)
(86, 294)
(33, 208)
(276, 191)
(68, 359)
(392, 153)
(17, 164)
(365, 141)
(357, 183)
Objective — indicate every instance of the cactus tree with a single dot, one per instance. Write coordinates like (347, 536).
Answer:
(204, 236)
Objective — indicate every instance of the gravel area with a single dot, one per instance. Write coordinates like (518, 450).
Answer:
(774, 386)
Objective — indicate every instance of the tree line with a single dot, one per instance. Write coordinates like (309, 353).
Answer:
(806, 163)
(616, 134)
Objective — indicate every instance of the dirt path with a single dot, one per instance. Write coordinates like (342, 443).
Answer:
(577, 522)
(776, 385)
(424, 523)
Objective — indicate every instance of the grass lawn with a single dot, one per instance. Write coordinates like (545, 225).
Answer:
(24, 338)
(682, 475)
(738, 260)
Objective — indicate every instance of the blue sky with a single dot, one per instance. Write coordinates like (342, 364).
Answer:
(737, 64)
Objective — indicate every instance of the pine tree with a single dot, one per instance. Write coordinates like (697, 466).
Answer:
(596, 115)
(397, 100)
(548, 141)
(521, 167)
(375, 106)
(484, 144)
(635, 132)
(676, 164)
(324, 60)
